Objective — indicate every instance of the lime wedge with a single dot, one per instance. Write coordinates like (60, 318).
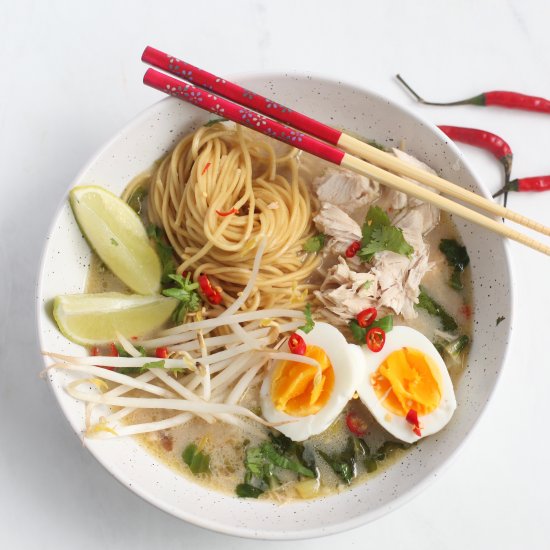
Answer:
(117, 235)
(92, 319)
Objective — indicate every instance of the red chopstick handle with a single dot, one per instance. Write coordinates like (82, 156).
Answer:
(240, 95)
(241, 115)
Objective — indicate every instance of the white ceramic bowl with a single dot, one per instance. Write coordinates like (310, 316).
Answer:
(149, 136)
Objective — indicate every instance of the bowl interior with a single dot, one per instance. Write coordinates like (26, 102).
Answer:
(134, 149)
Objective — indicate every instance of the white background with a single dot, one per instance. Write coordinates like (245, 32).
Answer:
(71, 77)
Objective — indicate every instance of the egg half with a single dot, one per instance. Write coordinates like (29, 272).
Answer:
(408, 373)
(290, 398)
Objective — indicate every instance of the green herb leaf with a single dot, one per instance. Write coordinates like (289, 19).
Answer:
(499, 320)
(457, 257)
(386, 237)
(310, 323)
(164, 251)
(245, 490)
(152, 365)
(343, 464)
(271, 454)
(315, 243)
(137, 198)
(198, 462)
(114, 242)
(380, 235)
(359, 333)
(213, 121)
(186, 293)
(426, 302)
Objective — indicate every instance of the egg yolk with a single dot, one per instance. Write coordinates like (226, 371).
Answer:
(293, 389)
(408, 379)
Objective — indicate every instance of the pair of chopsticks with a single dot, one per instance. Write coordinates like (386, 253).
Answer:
(233, 102)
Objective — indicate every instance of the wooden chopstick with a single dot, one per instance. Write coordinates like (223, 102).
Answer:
(209, 101)
(274, 110)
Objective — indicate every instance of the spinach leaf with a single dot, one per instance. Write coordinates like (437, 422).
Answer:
(457, 257)
(343, 464)
(245, 490)
(426, 302)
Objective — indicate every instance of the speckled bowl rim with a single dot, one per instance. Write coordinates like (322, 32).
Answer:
(367, 517)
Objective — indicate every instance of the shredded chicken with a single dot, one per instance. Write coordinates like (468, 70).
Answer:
(392, 279)
(345, 189)
(345, 293)
(335, 223)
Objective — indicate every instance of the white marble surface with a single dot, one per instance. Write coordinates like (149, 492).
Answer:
(71, 77)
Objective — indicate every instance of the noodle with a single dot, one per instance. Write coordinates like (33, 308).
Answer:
(215, 170)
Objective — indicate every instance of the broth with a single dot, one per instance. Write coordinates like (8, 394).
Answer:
(226, 444)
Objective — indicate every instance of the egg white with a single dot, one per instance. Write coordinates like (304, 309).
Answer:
(398, 426)
(348, 363)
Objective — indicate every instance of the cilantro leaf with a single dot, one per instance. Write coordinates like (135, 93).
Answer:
(387, 237)
(359, 333)
(152, 365)
(310, 323)
(315, 243)
(186, 293)
(379, 234)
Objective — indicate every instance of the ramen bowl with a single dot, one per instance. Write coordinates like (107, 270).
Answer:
(64, 270)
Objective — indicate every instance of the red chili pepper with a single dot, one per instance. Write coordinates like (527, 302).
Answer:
(352, 249)
(161, 353)
(366, 317)
(94, 351)
(356, 424)
(211, 294)
(375, 339)
(113, 350)
(296, 344)
(412, 418)
(206, 167)
(228, 213)
(484, 140)
(497, 98)
(535, 183)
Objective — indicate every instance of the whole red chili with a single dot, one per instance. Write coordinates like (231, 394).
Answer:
(366, 317)
(498, 98)
(352, 249)
(375, 339)
(356, 424)
(484, 140)
(296, 344)
(535, 183)
(161, 353)
(412, 418)
(210, 293)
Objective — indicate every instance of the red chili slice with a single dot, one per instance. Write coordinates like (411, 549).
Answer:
(161, 353)
(206, 167)
(375, 339)
(367, 317)
(94, 351)
(412, 418)
(356, 424)
(296, 344)
(211, 294)
(113, 350)
(352, 249)
(228, 213)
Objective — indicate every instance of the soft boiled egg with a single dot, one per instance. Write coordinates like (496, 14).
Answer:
(302, 404)
(408, 374)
